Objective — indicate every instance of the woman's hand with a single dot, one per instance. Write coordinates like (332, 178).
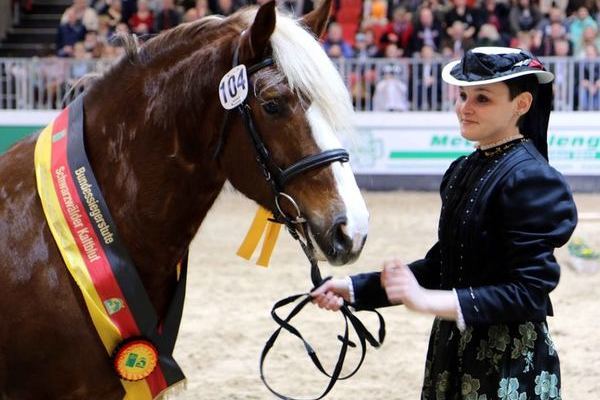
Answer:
(331, 294)
(402, 287)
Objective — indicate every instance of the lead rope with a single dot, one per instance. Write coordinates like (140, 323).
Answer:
(361, 331)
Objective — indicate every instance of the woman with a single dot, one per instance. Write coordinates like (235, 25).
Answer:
(504, 211)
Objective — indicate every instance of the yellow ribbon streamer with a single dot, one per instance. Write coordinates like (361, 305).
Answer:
(259, 225)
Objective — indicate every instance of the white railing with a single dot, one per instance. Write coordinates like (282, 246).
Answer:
(376, 84)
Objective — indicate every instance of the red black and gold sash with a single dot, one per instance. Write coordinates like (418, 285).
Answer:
(82, 226)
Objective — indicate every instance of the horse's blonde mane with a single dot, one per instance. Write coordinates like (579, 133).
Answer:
(309, 71)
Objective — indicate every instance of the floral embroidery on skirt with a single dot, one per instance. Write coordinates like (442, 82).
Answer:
(506, 362)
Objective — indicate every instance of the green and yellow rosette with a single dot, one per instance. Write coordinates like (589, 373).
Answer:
(135, 360)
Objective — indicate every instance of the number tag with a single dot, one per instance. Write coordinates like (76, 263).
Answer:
(233, 88)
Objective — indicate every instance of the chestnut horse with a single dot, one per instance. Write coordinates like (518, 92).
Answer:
(151, 126)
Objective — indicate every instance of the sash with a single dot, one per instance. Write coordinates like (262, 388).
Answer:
(95, 256)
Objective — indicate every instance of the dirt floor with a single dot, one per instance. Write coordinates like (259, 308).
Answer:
(227, 312)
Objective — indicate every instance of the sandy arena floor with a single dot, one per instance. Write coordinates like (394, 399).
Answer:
(227, 313)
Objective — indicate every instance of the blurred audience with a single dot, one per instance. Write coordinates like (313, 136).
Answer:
(335, 45)
(69, 32)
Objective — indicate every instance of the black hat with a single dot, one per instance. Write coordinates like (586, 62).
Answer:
(483, 65)
(486, 65)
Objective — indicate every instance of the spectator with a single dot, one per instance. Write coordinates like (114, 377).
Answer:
(489, 36)
(80, 65)
(128, 9)
(295, 7)
(547, 5)
(364, 46)
(467, 15)
(496, 14)
(104, 29)
(113, 14)
(399, 31)
(524, 16)
(523, 40)
(335, 45)
(392, 51)
(69, 33)
(428, 81)
(87, 15)
(428, 31)
(590, 37)
(590, 84)
(391, 93)
(90, 41)
(580, 21)
(556, 31)
(555, 15)
(457, 42)
(167, 18)
(109, 52)
(200, 10)
(142, 22)
(375, 12)
(50, 81)
(224, 7)
(560, 68)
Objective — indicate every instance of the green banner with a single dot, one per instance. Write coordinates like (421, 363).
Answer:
(11, 134)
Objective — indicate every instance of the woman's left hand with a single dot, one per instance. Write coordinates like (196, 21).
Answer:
(402, 287)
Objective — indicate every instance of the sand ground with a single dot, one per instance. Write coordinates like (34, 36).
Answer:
(227, 312)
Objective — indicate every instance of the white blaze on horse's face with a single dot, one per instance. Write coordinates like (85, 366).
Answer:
(357, 215)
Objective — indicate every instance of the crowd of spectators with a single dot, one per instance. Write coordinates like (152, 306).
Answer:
(392, 28)
(434, 31)
(427, 30)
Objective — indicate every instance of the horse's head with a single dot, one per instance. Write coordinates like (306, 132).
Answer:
(298, 105)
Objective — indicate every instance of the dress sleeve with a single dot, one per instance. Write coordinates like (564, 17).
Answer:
(368, 292)
(537, 214)
(427, 270)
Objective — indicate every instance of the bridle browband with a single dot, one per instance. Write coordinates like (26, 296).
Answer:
(278, 178)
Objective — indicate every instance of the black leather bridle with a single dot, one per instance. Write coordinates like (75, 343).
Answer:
(277, 178)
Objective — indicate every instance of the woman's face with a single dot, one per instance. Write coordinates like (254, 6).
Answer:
(486, 114)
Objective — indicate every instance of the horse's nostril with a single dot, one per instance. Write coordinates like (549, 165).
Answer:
(342, 242)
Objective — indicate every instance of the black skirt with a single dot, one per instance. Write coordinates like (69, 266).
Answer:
(506, 362)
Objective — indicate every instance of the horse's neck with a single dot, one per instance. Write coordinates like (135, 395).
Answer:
(158, 184)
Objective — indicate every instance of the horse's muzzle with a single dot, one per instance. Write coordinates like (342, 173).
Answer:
(344, 246)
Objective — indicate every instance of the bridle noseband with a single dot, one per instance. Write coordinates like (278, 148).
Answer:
(278, 178)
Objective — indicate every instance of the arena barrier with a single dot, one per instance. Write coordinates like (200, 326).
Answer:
(375, 84)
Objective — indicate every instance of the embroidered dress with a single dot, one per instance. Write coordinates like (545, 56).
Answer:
(515, 360)
(504, 211)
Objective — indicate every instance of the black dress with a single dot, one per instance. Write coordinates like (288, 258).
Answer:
(504, 211)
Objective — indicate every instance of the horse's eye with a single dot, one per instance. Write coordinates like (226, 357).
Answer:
(271, 107)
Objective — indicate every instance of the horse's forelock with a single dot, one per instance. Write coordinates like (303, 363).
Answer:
(309, 72)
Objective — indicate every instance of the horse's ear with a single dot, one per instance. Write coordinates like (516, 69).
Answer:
(316, 20)
(255, 39)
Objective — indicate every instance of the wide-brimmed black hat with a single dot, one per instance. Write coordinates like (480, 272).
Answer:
(484, 65)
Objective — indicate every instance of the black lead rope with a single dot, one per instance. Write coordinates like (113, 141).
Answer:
(361, 331)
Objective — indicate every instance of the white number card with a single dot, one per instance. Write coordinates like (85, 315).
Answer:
(233, 88)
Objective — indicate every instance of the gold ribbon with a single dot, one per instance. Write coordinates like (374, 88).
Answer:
(260, 224)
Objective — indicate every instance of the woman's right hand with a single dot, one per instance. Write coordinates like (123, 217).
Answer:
(331, 294)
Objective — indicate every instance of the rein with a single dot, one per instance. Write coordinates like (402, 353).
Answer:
(277, 178)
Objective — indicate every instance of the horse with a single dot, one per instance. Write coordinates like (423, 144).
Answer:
(152, 124)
